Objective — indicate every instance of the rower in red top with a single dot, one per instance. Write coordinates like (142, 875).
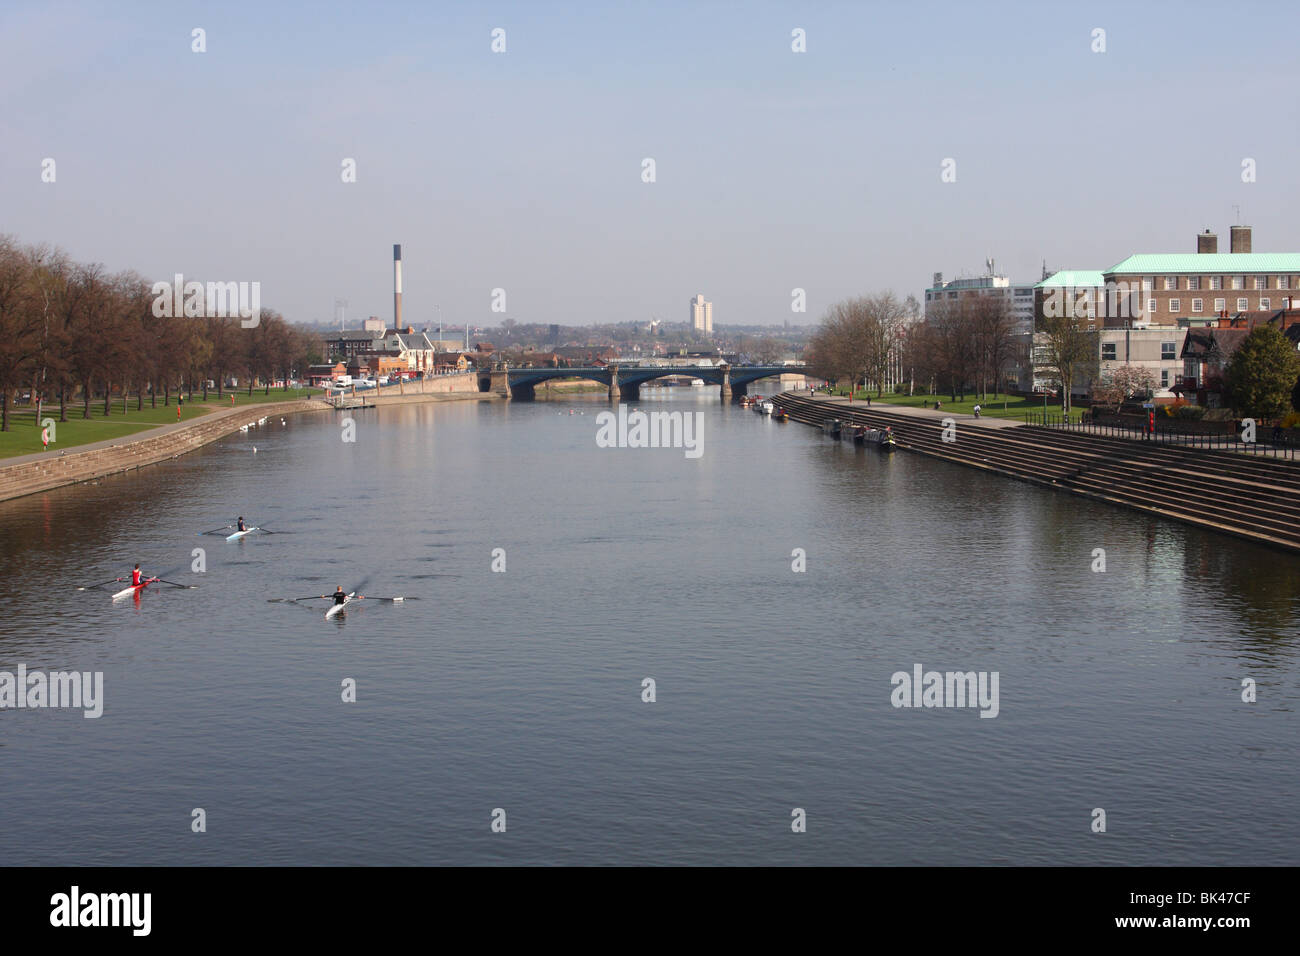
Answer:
(135, 577)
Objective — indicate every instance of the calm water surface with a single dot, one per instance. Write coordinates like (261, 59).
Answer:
(522, 690)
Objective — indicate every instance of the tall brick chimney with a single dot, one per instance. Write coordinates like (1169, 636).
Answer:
(1207, 242)
(1240, 238)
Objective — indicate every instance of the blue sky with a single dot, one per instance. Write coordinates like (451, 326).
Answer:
(522, 170)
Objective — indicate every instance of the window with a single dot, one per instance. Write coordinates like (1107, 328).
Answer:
(1175, 305)
(1239, 282)
(1168, 351)
(1108, 351)
(1261, 282)
(1193, 282)
(1151, 306)
(1198, 305)
(1171, 282)
(1216, 282)
(1264, 303)
(1243, 304)
(1220, 305)
(1164, 378)
(1283, 282)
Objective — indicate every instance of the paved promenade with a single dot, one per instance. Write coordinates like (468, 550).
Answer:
(861, 405)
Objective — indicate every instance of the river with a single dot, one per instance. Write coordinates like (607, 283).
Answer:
(522, 690)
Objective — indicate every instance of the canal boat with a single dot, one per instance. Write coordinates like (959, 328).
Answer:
(766, 407)
(781, 415)
(832, 427)
(887, 442)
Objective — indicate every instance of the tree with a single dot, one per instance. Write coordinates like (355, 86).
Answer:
(1134, 380)
(20, 324)
(992, 324)
(955, 352)
(1067, 351)
(769, 351)
(1263, 373)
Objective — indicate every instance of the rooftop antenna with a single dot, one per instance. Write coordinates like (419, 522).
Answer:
(1237, 209)
(341, 307)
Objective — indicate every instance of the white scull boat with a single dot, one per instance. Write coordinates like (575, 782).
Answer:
(127, 592)
(239, 534)
(338, 608)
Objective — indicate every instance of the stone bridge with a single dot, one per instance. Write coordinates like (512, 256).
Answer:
(625, 381)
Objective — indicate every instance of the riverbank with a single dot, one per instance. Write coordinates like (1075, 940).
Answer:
(43, 471)
(78, 431)
(1252, 497)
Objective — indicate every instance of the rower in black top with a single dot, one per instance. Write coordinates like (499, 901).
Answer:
(241, 524)
(340, 596)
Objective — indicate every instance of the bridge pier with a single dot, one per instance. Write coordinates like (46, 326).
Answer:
(615, 393)
(725, 390)
(500, 382)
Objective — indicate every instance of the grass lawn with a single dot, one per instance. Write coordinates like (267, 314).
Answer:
(24, 435)
(1016, 407)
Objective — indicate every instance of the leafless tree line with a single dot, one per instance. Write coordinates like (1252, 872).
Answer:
(858, 339)
(74, 332)
(964, 346)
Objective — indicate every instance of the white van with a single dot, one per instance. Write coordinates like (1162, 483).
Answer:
(343, 381)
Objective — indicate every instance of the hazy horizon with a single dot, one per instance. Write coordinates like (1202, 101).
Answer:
(522, 170)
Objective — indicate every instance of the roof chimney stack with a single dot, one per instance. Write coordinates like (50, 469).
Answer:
(1207, 242)
(1240, 238)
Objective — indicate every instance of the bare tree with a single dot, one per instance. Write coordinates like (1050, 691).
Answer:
(1067, 350)
(20, 324)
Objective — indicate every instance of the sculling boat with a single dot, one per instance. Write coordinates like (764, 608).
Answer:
(239, 534)
(134, 588)
(337, 609)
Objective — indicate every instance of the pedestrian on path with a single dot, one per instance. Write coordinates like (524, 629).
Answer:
(977, 411)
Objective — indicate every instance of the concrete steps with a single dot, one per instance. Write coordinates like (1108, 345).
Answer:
(1255, 498)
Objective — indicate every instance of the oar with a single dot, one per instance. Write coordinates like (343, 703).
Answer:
(175, 585)
(89, 587)
(397, 600)
(217, 530)
(309, 597)
(269, 531)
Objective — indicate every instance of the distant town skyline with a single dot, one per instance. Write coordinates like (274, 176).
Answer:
(604, 165)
